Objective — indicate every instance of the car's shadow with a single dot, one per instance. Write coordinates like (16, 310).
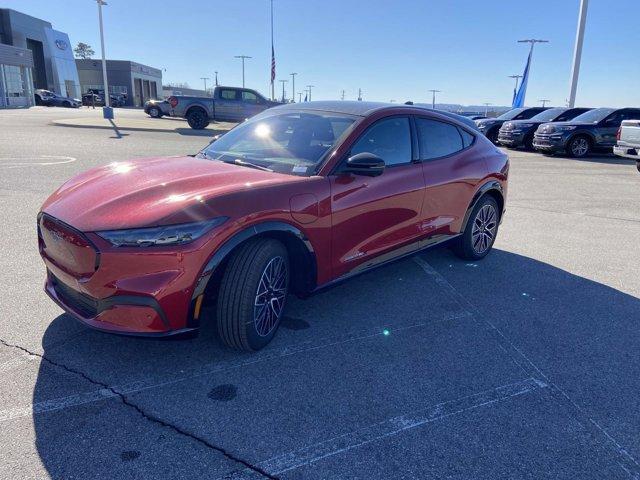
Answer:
(578, 331)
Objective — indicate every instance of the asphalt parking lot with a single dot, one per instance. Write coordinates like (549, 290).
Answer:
(523, 365)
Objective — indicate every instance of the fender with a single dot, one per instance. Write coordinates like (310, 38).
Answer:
(223, 251)
(585, 133)
(486, 187)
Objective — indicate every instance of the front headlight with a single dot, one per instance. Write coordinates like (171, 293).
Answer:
(565, 128)
(165, 235)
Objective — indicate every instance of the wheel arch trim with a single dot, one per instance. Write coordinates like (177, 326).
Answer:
(491, 185)
(242, 236)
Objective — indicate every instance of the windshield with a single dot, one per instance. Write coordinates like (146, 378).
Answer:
(594, 116)
(511, 114)
(548, 115)
(293, 142)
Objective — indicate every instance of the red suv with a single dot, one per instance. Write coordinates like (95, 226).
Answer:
(299, 197)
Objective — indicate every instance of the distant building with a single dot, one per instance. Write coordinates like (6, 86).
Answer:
(33, 55)
(137, 82)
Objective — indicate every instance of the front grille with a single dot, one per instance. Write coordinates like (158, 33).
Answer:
(83, 304)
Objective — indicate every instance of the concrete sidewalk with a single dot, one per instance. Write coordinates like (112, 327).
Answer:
(126, 123)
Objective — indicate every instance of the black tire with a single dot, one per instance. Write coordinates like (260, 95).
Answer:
(528, 143)
(155, 112)
(66, 104)
(197, 119)
(579, 146)
(492, 135)
(240, 319)
(464, 244)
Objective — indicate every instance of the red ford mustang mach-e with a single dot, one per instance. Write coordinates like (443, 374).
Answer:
(290, 201)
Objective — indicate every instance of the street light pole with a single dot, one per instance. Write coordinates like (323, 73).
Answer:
(107, 111)
(544, 101)
(433, 98)
(577, 52)
(216, 72)
(517, 77)
(532, 41)
(309, 87)
(486, 108)
(299, 97)
(205, 83)
(293, 86)
(243, 58)
(283, 82)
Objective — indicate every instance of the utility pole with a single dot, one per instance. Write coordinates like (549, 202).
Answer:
(299, 97)
(205, 83)
(359, 94)
(433, 98)
(577, 52)
(544, 101)
(216, 72)
(486, 108)
(342, 96)
(283, 82)
(517, 77)
(392, 101)
(309, 87)
(243, 57)
(293, 87)
(107, 111)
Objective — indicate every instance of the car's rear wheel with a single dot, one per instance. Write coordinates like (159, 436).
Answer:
(197, 119)
(493, 136)
(252, 294)
(579, 146)
(528, 143)
(66, 104)
(154, 112)
(482, 227)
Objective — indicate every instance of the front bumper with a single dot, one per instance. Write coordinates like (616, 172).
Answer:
(549, 142)
(510, 138)
(146, 292)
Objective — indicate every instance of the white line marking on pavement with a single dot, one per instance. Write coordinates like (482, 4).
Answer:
(40, 161)
(516, 354)
(140, 386)
(393, 426)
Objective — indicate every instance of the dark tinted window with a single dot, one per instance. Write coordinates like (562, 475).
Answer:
(527, 114)
(438, 139)
(632, 114)
(467, 138)
(228, 94)
(571, 114)
(390, 139)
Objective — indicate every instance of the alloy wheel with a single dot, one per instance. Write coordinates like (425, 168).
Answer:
(270, 296)
(484, 229)
(580, 147)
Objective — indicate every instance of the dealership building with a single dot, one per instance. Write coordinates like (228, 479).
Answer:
(33, 55)
(137, 82)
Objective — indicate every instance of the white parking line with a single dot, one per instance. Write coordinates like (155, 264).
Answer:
(35, 161)
(135, 387)
(392, 426)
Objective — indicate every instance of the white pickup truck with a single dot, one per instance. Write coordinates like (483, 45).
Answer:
(628, 144)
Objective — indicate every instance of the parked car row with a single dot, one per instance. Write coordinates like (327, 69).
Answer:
(576, 132)
(228, 104)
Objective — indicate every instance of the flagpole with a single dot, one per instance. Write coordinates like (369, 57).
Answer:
(273, 91)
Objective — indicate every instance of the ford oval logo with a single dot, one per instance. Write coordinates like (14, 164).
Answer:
(61, 44)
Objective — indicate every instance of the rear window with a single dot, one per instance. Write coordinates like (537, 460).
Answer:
(439, 139)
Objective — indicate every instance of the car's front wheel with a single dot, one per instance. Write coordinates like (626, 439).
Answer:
(481, 230)
(579, 146)
(252, 294)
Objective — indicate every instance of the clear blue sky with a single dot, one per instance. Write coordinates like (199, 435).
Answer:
(391, 49)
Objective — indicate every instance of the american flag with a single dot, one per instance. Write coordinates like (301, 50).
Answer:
(273, 65)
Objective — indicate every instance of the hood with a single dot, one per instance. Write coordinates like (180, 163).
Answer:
(551, 126)
(488, 121)
(147, 192)
(513, 124)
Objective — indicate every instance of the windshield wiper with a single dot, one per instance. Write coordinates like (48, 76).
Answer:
(238, 161)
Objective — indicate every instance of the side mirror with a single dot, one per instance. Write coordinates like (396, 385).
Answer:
(364, 163)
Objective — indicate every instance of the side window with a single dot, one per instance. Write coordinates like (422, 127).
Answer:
(615, 119)
(249, 97)
(632, 115)
(438, 139)
(390, 139)
(568, 115)
(467, 138)
(228, 94)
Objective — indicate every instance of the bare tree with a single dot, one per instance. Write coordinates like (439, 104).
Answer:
(83, 50)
